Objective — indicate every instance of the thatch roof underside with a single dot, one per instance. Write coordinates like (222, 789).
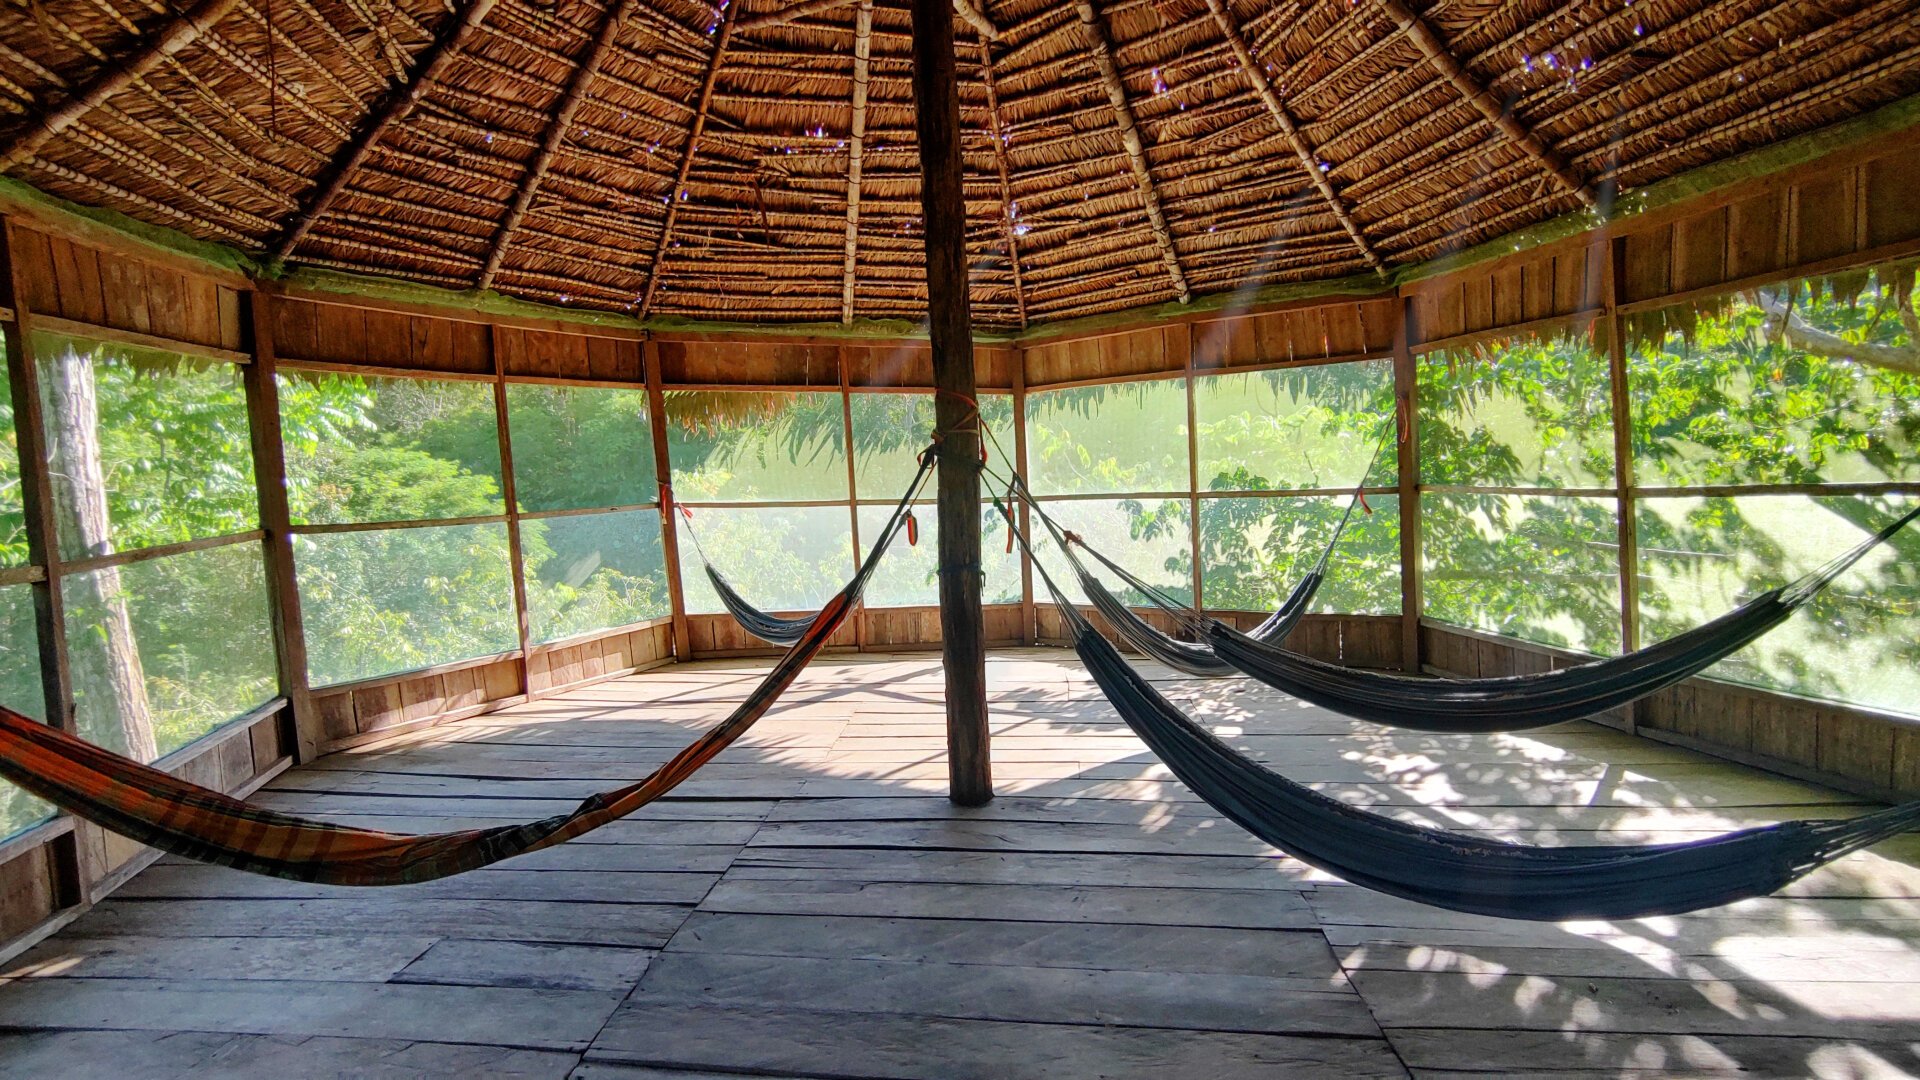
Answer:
(669, 158)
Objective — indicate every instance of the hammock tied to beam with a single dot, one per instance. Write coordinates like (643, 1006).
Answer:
(1475, 705)
(1456, 870)
(773, 629)
(159, 810)
(1194, 657)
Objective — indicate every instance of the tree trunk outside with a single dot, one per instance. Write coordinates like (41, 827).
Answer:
(109, 685)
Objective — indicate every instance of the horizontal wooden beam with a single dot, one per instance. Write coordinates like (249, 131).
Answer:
(1102, 53)
(113, 335)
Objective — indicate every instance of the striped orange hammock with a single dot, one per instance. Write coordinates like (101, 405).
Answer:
(185, 819)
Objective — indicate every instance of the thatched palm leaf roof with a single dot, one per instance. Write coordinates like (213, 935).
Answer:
(1129, 148)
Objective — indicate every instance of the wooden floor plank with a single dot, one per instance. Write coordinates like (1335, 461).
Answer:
(527, 965)
(1094, 946)
(489, 1016)
(1261, 909)
(922, 1048)
(201, 1055)
(1160, 999)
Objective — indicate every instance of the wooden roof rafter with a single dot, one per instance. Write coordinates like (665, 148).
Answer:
(175, 36)
(1101, 50)
(997, 135)
(1304, 151)
(676, 196)
(1435, 49)
(398, 103)
(558, 130)
(968, 11)
(856, 140)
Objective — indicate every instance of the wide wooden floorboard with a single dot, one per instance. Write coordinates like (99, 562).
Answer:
(810, 905)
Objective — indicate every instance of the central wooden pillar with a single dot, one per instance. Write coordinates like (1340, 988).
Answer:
(937, 108)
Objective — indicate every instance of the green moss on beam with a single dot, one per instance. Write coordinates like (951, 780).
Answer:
(470, 301)
(112, 226)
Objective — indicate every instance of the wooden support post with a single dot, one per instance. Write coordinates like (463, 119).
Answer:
(1193, 480)
(1627, 510)
(663, 476)
(1029, 630)
(936, 97)
(860, 629)
(306, 734)
(856, 147)
(523, 624)
(36, 491)
(1406, 405)
(69, 864)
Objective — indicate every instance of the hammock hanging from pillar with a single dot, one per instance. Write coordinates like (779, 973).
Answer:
(1509, 703)
(1193, 657)
(162, 811)
(1455, 870)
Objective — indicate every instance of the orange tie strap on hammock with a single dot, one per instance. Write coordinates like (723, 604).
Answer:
(163, 811)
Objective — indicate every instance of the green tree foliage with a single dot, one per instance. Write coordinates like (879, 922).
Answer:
(1322, 427)
(1767, 390)
(1531, 413)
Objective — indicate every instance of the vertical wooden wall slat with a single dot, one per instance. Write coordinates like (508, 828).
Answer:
(307, 734)
(1193, 475)
(663, 476)
(1029, 629)
(522, 622)
(1406, 402)
(1624, 507)
(36, 487)
(861, 629)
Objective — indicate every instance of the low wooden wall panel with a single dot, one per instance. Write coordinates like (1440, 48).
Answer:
(555, 667)
(1852, 749)
(919, 627)
(717, 636)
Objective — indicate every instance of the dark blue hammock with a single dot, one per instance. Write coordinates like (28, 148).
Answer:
(1510, 703)
(1455, 870)
(770, 628)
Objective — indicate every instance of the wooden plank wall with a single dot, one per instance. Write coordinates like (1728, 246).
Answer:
(373, 709)
(329, 333)
(69, 280)
(1816, 220)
